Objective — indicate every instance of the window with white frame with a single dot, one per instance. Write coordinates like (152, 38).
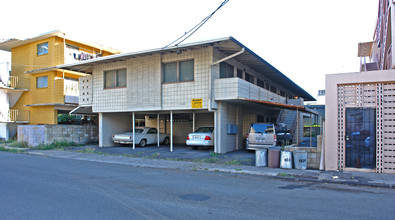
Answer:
(42, 48)
(42, 82)
(115, 79)
(180, 71)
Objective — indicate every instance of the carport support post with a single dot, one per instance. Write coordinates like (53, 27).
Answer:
(193, 122)
(158, 128)
(171, 131)
(297, 126)
(133, 132)
(311, 126)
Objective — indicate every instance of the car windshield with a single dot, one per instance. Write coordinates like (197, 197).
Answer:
(205, 130)
(138, 130)
(262, 128)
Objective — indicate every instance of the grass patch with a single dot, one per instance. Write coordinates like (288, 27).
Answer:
(89, 151)
(238, 170)
(233, 162)
(10, 150)
(56, 145)
(18, 144)
(155, 155)
(286, 175)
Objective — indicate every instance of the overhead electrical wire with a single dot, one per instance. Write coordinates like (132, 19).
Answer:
(195, 28)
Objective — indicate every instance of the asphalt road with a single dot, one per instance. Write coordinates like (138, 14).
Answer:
(34, 187)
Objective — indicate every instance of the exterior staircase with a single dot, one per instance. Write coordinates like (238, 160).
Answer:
(288, 117)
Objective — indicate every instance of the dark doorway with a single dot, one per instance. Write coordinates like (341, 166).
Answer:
(361, 137)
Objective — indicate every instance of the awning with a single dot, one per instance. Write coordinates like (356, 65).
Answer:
(281, 105)
(82, 111)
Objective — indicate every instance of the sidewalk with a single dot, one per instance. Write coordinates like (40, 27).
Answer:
(179, 160)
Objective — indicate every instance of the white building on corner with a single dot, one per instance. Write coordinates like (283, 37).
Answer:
(219, 82)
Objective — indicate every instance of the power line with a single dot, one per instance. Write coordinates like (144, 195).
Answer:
(195, 28)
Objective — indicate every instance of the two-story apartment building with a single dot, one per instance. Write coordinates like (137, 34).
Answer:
(360, 106)
(48, 91)
(218, 83)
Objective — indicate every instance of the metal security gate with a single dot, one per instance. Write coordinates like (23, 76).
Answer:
(361, 137)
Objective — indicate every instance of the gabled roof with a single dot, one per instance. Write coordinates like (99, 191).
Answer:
(12, 43)
(227, 46)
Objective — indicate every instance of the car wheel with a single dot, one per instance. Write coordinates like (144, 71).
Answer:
(143, 142)
(166, 141)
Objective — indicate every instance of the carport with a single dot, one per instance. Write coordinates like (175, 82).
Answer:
(176, 123)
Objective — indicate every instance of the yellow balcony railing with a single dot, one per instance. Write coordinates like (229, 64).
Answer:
(18, 82)
(18, 116)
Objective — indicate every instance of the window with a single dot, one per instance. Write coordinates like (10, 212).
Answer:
(115, 78)
(260, 83)
(240, 73)
(42, 48)
(249, 78)
(225, 70)
(273, 89)
(180, 71)
(282, 93)
(42, 82)
(152, 131)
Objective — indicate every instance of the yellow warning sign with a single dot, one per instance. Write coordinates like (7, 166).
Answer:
(197, 103)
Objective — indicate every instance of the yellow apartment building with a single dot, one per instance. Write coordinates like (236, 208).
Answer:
(46, 90)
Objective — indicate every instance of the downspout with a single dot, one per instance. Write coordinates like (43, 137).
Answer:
(210, 75)
(64, 50)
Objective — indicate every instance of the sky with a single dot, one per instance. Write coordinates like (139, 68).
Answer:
(303, 39)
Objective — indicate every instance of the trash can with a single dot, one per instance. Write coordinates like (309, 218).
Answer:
(300, 159)
(286, 160)
(261, 158)
(273, 157)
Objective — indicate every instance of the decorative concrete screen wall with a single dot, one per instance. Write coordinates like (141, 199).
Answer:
(35, 135)
(379, 96)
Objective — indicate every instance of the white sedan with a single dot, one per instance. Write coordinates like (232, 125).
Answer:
(203, 136)
(142, 135)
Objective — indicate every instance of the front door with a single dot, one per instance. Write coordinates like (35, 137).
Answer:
(361, 137)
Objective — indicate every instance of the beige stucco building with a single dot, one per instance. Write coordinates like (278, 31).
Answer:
(360, 106)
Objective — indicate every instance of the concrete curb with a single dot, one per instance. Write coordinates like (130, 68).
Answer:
(285, 174)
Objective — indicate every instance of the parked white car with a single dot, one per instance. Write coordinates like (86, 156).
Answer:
(203, 136)
(142, 135)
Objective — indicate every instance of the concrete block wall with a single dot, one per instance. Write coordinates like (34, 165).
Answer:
(313, 153)
(179, 95)
(35, 135)
(85, 88)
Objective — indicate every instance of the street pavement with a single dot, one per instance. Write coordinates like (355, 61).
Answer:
(238, 162)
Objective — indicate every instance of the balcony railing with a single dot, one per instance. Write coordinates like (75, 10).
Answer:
(15, 116)
(233, 88)
(16, 82)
